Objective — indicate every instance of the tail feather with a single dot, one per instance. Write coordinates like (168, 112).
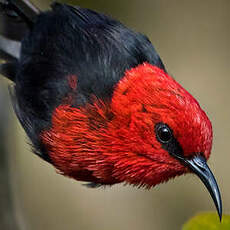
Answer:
(23, 8)
(9, 70)
(16, 17)
(9, 54)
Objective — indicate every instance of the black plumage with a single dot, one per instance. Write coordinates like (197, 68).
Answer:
(72, 41)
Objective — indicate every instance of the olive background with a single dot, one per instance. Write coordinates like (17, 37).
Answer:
(192, 38)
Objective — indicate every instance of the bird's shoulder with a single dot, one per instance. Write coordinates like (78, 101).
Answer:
(96, 48)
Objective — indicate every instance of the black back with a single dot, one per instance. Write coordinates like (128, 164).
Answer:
(73, 41)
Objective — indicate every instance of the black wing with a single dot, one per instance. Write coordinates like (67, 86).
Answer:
(73, 41)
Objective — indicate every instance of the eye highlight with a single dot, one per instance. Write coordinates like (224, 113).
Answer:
(163, 133)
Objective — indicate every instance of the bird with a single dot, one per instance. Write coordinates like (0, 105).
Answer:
(97, 102)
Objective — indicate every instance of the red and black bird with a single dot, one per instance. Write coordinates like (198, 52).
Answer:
(97, 102)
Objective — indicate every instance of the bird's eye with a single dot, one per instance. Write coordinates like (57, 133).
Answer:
(164, 133)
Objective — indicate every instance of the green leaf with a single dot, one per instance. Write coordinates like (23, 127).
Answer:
(208, 221)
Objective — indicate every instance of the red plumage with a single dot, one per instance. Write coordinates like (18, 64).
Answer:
(112, 142)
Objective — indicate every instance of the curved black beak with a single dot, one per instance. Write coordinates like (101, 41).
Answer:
(199, 166)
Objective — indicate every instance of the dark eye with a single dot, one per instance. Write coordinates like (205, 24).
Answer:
(164, 134)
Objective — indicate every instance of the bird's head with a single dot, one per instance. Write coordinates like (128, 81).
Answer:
(157, 112)
(150, 131)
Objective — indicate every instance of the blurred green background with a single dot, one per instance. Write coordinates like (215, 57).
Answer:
(192, 38)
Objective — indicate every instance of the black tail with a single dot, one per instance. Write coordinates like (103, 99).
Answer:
(16, 17)
(20, 8)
